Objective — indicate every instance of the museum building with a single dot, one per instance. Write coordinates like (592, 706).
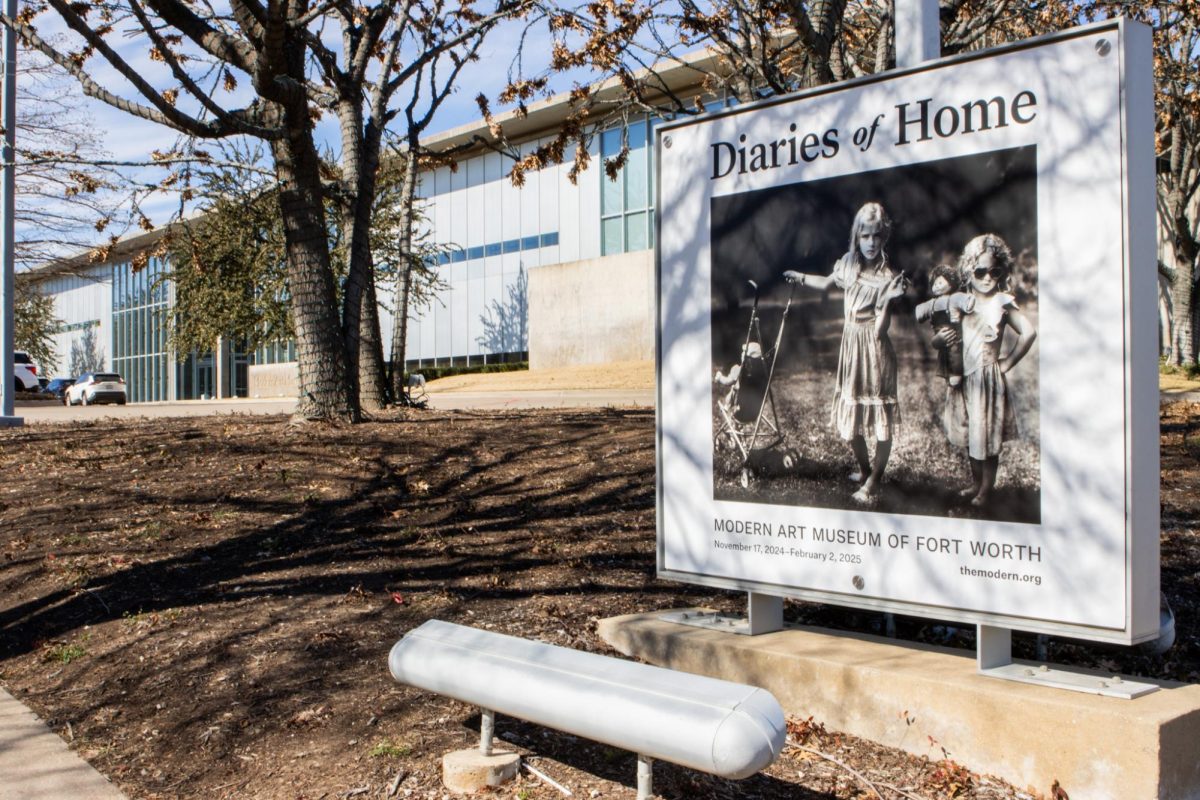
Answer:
(552, 272)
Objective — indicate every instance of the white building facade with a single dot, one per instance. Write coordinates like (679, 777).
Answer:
(532, 272)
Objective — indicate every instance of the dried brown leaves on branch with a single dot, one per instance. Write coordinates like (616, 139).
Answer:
(739, 50)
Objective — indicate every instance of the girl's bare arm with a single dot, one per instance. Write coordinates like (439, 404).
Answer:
(1026, 333)
(818, 282)
(883, 309)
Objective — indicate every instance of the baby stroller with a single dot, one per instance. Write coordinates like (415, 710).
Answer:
(748, 420)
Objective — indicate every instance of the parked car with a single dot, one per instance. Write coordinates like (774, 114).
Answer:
(58, 387)
(26, 372)
(97, 387)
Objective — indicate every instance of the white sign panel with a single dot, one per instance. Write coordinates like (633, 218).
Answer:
(907, 347)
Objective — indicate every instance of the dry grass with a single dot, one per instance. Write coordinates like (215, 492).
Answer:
(1177, 384)
(615, 375)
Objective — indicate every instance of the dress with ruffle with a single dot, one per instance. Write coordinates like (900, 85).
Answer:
(864, 400)
(978, 414)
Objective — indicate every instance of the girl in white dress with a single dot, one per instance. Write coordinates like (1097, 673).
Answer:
(979, 414)
(864, 401)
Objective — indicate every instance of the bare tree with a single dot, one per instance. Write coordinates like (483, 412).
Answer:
(67, 186)
(294, 71)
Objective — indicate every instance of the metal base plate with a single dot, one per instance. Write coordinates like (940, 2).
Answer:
(1071, 681)
(703, 618)
(11, 422)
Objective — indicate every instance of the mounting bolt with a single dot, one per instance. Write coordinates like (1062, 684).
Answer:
(667, 142)
(858, 582)
(1103, 47)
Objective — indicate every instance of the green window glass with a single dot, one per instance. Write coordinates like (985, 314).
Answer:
(139, 337)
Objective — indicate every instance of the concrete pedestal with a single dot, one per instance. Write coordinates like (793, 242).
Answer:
(1096, 747)
(466, 771)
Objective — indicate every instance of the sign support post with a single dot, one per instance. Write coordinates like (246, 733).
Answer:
(7, 228)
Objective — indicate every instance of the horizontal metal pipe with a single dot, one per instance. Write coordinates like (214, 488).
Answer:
(715, 726)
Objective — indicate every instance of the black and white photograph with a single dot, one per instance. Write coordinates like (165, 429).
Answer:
(875, 341)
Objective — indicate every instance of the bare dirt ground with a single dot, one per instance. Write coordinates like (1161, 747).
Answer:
(203, 607)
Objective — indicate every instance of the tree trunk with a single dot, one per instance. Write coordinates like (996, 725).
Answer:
(325, 387)
(355, 287)
(372, 378)
(826, 16)
(408, 193)
(360, 161)
(1184, 250)
(1183, 326)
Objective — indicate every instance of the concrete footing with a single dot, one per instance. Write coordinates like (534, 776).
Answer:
(925, 699)
(467, 771)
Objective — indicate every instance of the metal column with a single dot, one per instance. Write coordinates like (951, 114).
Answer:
(8, 188)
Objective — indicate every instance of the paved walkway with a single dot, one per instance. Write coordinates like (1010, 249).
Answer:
(1171, 396)
(35, 764)
(40, 411)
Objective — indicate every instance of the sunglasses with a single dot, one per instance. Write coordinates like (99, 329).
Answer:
(995, 272)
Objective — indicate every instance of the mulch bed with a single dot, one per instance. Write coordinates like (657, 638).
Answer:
(203, 607)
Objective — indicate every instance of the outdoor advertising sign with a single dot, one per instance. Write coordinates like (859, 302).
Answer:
(908, 341)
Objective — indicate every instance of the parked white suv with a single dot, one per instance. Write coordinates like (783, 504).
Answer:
(26, 372)
(96, 387)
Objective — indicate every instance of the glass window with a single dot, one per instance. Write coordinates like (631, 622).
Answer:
(610, 236)
(512, 246)
(492, 249)
(637, 184)
(549, 239)
(474, 252)
(627, 204)
(635, 232)
(530, 243)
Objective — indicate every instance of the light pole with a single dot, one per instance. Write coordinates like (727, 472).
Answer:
(8, 191)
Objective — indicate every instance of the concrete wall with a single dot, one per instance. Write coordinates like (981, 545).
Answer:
(274, 380)
(592, 311)
(477, 209)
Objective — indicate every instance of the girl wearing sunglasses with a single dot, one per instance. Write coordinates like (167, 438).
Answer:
(865, 401)
(979, 414)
